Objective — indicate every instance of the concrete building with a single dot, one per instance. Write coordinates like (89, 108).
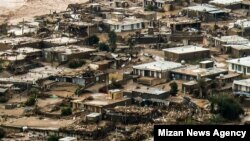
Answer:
(230, 40)
(68, 139)
(124, 24)
(231, 4)
(147, 93)
(237, 50)
(186, 53)
(242, 87)
(159, 69)
(158, 4)
(190, 73)
(99, 102)
(179, 23)
(66, 53)
(62, 41)
(206, 12)
(240, 65)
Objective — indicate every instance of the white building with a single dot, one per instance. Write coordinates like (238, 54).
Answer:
(156, 3)
(158, 69)
(230, 40)
(124, 24)
(225, 2)
(242, 87)
(240, 65)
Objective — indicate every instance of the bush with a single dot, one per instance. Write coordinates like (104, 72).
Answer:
(2, 133)
(31, 101)
(66, 111)
(103, 47)
(228, 107)
(3, 99)
(174, 88)
(53, 138)
(76, 63)
(92, 40)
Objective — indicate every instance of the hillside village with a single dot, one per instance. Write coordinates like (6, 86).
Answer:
(112, 69)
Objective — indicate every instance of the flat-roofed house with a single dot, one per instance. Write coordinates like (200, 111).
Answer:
(240, 65)
(66, 53)
(242, 87)
(158, 69)
(186, 53)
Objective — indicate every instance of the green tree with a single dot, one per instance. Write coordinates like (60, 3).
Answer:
(31, 101)
(53, 138)
(131, 43)
(112, 40)
(92, 40)
(103, 47)
(66, 111)
(2, 133)
(227, 107)
(76, 63)
(173, 88)
(202, 85)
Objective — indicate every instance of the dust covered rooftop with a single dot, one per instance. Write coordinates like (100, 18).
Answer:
(185, 49)
(158, 66)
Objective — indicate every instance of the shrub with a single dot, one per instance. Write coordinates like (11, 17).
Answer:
(92, 40)
(66, 111)
(53, 138)
(3, 99)
(174, 88)
(31, 101)
(2, 133)
(76, 63)
(103, 47)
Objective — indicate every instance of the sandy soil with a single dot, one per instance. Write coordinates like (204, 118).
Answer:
(14, 11)
(38, 123)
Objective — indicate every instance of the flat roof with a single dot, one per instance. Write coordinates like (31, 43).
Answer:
(244, 82)
(194, 70)
(158, 66)
(125, 21)
(94, 115)
(149, 90)
(240, 47)
(245, 61)
(206, 8)
(61, 40)
(70, 49)
(225, 2)
(185, 49)
(18, 40)
(242, 23)
(67, 139)
(234, 39)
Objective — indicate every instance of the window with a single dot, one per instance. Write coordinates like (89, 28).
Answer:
(123, 27)
(239, 68)
(117, 27)
(232, 66)
(248, 69)
(138, 25)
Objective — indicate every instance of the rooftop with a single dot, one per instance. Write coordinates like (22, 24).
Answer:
(125, 21)
(71, 49)
(67, 139)
(233, 40)
(62, 40)
(158, 66)
(206, 8)
(179, 20)
(196, 70)
(244, 82)
(185, 49)
(18, 40)
(241, 61)
(93, 114)
(149, 90)
(225, 2)
(242, 23)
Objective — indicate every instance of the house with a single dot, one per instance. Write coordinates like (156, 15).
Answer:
(157, 4)
(229, 40)
(230, 4)
(147, 93)
(7, 43)
(237, 50)
(62, 41)
(158, 69)
(241, 28)
(20, 54)
(124, 24)
(194, 72)
(224, 82)
(242, 87)
(99, 102)
(206, 12)
(66, 53)
(240, 65)
(186, 53)
(5, 89)
(180, 23)
(94, 117)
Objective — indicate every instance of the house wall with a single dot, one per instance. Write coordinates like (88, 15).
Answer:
(148, 73)
(120, 28)
(240, 53)
(187, 56)
(239, 69)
